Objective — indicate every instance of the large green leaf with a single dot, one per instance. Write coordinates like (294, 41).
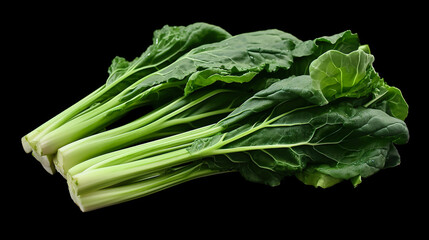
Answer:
(390, 100)
(339, 140)
(293, 91)
(240, 58)
(344, 42)
(308, 51)
(352, 75)
(344, 75)
(236, 59)
(169, 44)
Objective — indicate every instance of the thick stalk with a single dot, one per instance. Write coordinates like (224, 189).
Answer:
(114, 195)
(143, 150)
(135, 132)
(75, 129)
(31, 139)
(83, 149)
(69, 157)
(97, 119)
(105, 177)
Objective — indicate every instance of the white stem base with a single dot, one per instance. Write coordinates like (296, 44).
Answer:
(26, 145)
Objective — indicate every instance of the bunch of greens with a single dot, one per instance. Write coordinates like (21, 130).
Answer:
(264, 104)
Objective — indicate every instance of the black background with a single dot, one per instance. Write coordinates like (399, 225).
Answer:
(57, 54)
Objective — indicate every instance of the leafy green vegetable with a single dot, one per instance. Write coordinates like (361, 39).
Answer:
(235, 60)
(264, 104)
(80, 154)
(290, 128)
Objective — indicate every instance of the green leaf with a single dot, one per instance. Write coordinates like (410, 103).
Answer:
(317, 179)
(364, 162)
(119, 64)
(344, 75)
(169, 43)
(240, 58)
(398, 107)
(308, 51)
(390, 100)
(340, 140)
(209, 76)
(293, 91)
(236, 59)
(365, 48)
(356, 180)
(344, 42)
